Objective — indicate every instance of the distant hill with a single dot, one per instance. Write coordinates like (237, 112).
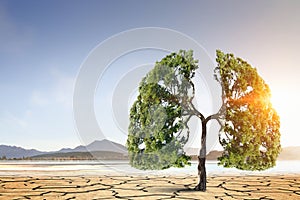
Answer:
(213, 155)
(290, 153)
(106, 149)
(17, 152)
(193, 152)
(101, 155)
(104, 146)
(287, 153)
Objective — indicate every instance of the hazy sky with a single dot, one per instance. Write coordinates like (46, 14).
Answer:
(44, 43)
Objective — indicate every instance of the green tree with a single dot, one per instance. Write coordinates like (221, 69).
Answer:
(158, 128)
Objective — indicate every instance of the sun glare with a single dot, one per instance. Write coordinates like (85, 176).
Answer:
(285, 103)
(278, 101)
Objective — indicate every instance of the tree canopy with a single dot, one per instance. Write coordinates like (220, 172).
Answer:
(250, 125)
(158, 128)
(158, 124)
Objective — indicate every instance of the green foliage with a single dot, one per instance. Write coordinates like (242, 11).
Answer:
(158, 127)
(250, 126)
(156, 133)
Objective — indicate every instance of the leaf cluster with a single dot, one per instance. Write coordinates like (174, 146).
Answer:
(250, 132)
(156, 133)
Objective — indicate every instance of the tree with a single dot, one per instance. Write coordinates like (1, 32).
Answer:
(158, 128)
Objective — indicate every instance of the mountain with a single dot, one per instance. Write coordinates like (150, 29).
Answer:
(106, 149)
(103, 145)
(213, 155)
(17, 152)
(287, 153)
(290, 153)
(98, 155)
(96, 146)
(191, 151)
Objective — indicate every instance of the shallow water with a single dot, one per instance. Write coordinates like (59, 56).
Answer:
(75, 168)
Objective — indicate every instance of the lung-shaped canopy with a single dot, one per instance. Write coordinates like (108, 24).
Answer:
(250, 135)
(158, 118)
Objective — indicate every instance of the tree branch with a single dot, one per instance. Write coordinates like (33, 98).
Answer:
(185, 123)
(214, 116)
(196, 112)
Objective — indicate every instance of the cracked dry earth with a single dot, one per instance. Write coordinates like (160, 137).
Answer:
(149, 187)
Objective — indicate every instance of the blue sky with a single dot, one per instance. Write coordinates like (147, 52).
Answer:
(44, 43)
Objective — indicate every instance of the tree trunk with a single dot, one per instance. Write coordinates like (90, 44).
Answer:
(202, 157)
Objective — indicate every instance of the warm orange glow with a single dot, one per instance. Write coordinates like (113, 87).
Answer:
(286, 103)
(278, 101)
(251, 97)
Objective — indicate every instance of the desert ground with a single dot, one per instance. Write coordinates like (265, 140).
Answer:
(149, 187)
